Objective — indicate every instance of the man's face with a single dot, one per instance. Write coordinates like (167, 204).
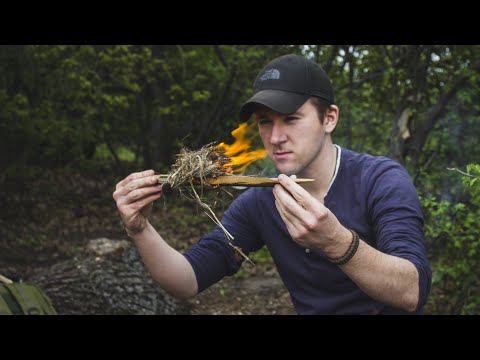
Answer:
(293, 141)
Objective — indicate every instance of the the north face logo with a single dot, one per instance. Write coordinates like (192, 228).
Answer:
(272, 74)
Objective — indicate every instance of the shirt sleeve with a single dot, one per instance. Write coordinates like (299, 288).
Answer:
(213, 258)
(397, 219)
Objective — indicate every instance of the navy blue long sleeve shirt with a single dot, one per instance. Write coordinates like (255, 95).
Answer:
(372, 195)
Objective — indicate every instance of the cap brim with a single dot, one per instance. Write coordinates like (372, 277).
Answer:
(283, 102)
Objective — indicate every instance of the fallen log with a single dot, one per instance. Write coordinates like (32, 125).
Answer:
(109, 278)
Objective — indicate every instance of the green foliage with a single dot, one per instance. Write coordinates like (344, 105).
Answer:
(451, 230)
(261, 256)
(473, 170)
(71, 99)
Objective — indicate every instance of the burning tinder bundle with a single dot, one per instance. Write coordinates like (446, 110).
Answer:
(213, 166)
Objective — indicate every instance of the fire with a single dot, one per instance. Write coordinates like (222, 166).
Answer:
(238, 152)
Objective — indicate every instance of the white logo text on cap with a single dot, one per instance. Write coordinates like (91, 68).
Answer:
(272, 74)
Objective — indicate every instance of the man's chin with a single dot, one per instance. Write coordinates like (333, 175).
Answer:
(288, 172)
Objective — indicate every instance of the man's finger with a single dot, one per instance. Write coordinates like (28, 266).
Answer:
(142, 203)
(137, 175)
(142, 182)
(289, 203)
(140, 193)
(290, 223)
(298, 193)
(133, 185)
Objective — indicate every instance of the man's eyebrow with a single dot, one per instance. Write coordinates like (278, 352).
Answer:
(264, 113)
(298, 112)
(261, 113)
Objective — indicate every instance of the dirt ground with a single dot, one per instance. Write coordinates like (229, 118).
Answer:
(255, 295)
(56, 218)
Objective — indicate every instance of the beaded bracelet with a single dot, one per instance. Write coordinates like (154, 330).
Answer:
(350, 252)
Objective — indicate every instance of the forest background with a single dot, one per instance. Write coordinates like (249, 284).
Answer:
(75, 119)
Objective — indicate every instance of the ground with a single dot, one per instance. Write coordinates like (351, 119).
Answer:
(256, 295)
(52, 215)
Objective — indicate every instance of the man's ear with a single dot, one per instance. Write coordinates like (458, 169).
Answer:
(331, 118)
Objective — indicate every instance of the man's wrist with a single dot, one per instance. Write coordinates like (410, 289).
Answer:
(134, 234)
(348, 255)
(343, 239)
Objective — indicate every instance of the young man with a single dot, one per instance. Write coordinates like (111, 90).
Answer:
(351, 242)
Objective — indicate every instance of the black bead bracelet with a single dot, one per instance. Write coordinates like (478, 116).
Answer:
(350, 252)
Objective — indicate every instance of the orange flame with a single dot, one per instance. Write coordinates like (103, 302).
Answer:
(238, 152)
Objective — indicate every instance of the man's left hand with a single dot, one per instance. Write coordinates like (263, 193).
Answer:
(308, 221)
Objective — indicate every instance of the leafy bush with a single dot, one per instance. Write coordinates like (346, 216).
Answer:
(451, 230)
(472, 176)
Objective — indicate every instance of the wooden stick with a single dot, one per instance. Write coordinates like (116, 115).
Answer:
(238, 180)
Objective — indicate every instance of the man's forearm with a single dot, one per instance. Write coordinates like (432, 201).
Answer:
(386, 278)
(168, 267)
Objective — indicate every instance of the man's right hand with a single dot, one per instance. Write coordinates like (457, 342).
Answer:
(134, 196)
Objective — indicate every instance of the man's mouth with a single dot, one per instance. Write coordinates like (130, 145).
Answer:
(281, 154)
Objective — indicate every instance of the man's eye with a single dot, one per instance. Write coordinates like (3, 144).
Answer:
(264, 122)
(291, 118)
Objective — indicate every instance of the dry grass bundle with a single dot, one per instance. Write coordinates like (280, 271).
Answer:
(194, 168)
(197, 166)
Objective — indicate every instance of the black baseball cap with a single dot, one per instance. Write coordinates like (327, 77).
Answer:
(286, 83)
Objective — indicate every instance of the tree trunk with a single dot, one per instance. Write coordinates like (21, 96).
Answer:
(398, 135)
(331, 58)
(108, 279)
(420, 134)
(350, 59)
(210, 121)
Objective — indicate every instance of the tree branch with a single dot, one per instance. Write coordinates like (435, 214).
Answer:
(220, 56)
(437, 111)
(331, 58)
(373, 74)
(461, 172)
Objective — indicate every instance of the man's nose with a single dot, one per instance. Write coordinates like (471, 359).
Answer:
(278, 134)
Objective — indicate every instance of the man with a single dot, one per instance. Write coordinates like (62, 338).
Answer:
(351, 242)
